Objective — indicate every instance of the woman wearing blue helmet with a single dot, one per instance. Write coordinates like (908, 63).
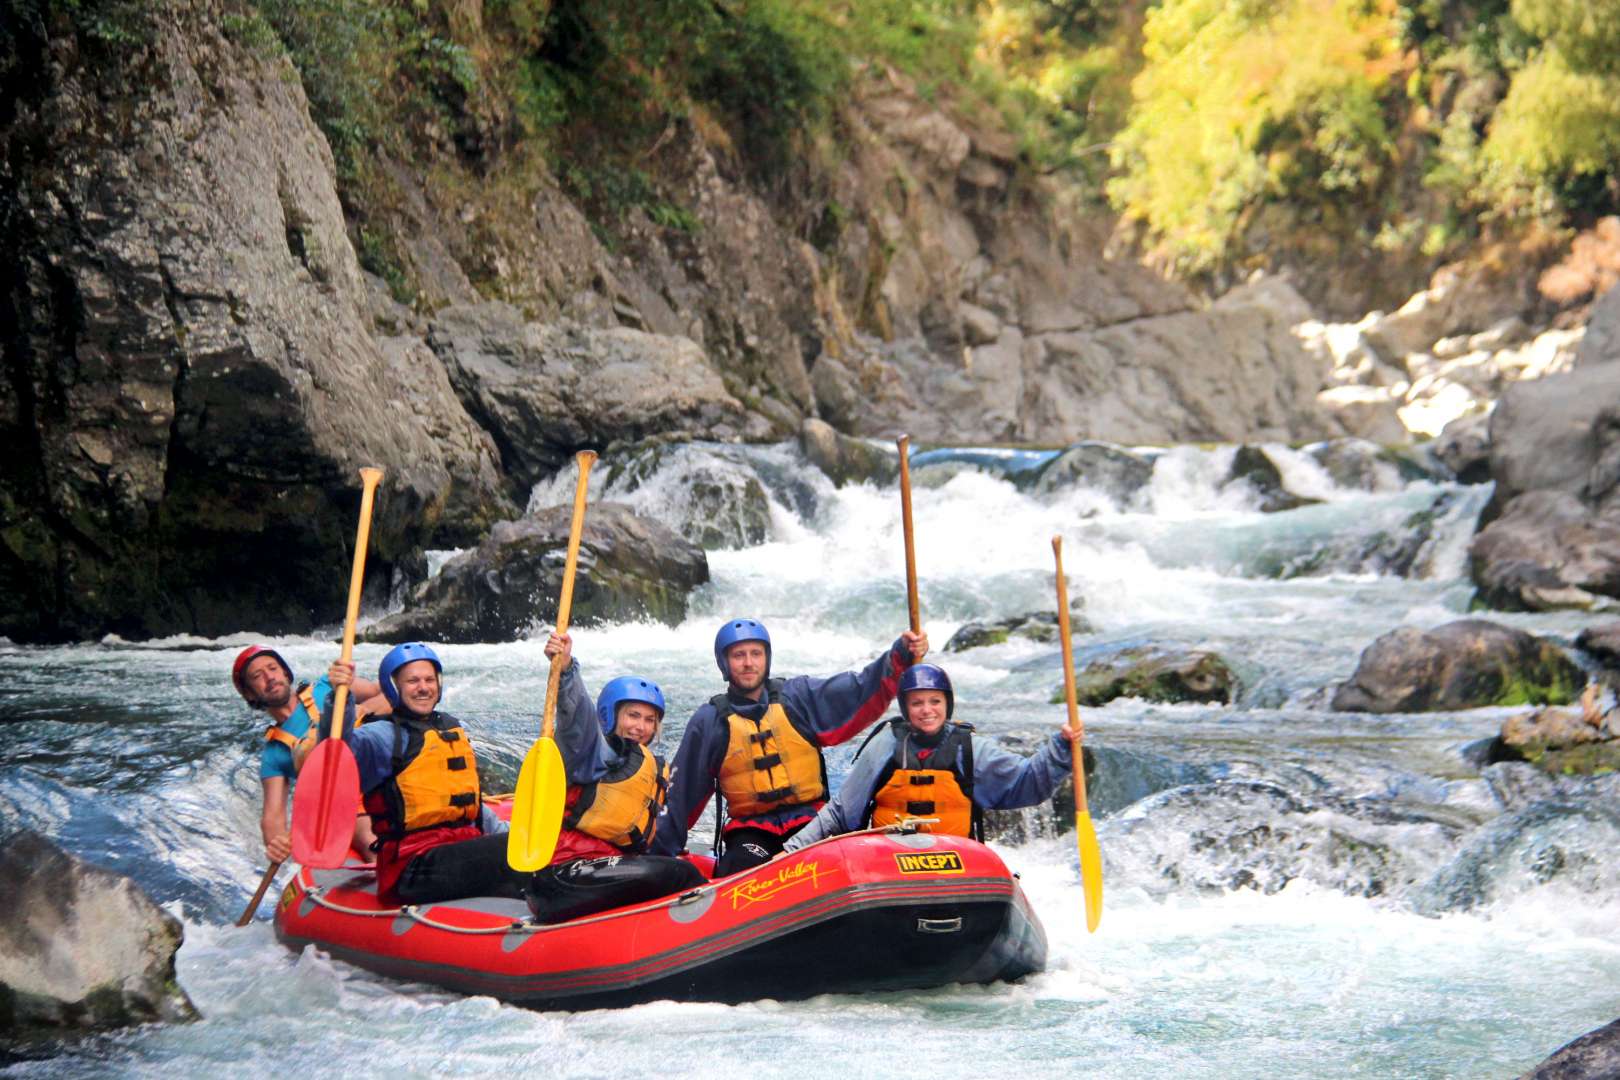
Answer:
(924, 765)
(616, 789)
(758, 745)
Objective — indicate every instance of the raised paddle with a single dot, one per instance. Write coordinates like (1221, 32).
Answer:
(258, 895)
(328, 792)
(1084, 834)
(904, 443)
(542, 787)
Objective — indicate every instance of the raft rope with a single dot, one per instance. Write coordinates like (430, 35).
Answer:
(414, 912)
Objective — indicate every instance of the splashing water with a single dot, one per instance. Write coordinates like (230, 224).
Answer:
(1290, 891)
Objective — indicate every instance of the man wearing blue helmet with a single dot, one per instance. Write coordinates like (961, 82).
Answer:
(419, 778)
(923, 765)
(759, 744)
(615, 791)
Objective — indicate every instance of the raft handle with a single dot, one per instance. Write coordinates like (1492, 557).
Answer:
(939, 926)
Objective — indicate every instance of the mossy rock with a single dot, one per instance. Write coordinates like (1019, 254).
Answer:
(1157, 674)
(1041, 626)
(1588, 759)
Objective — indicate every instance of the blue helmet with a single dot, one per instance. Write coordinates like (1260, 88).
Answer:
(626, 688)
(735, 631)
(927, 677)
(398, 657)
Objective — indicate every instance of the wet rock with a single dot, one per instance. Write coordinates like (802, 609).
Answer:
(1461, 665)
(1039, 626)
(1602, 643)
(1464, 447)
(1565, 742)
(1156, 673)
(1547, 551)
(1363, 465)
(1253, 466)
(706, 492)
(1569, 839)
(629, 568)
(1593, 1056)
(846, 460)
(1116, 472)
(1601, 345)
(1258, 835)
(545, 391)
(80, 946)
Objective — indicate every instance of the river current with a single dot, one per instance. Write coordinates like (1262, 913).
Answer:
(1290, 891)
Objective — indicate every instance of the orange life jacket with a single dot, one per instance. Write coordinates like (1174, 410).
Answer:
(622, 807)
(434, 782)
(769, 763)
(941, 787)
(276, 733)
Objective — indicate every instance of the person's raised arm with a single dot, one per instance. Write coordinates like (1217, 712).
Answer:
(1003, 780)
(585, 751)
(838, 708)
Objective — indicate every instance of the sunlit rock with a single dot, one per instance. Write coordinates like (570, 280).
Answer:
(1119, 473)
(1460, 665)
(1158, 673)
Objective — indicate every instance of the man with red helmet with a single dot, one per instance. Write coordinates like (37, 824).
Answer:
(265, 680)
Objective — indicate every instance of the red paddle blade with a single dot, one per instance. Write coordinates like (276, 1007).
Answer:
(324, 805)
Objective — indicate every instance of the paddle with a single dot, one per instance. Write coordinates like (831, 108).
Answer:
(258, 895)
(904, 443)
(328, 791)
(1084, 834)
(542, 787)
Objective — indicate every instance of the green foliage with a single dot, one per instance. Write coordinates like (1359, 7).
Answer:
(1244, 102)
(114, 24)
(1585, 32)
(1556, 128)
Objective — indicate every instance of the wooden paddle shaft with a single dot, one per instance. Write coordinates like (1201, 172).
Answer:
(904, 443)
(1068, 678)
(369, 479)
(258, 895)
(565, 602)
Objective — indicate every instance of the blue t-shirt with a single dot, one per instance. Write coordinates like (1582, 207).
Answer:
(276, 759)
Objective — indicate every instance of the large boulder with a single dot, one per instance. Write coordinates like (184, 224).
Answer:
(846, 460)
(1593, 1056)
(1159, 673)
(81, 947)
(1548, 551)
(1037, 626)
(1561, 434)
(629, 568)
(191, 378)
(1564, 741)
(1460, 665)
(1112, 470)
(545, 391)
(1464, 447)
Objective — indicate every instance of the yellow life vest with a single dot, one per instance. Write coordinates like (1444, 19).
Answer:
(434, 782)
(277, 733)
(622, 807)
(768, 763)
(908, 788)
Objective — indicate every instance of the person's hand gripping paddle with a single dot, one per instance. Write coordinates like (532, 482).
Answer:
(904, 443)
(328, 792)
(1085, 835)
(542, 787)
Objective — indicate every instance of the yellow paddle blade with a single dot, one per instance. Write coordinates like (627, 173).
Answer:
(1090, 868)
(537, 808)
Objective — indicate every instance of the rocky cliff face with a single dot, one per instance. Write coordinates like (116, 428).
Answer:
(198, 365)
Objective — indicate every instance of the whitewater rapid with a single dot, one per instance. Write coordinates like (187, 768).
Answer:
(1290, 891)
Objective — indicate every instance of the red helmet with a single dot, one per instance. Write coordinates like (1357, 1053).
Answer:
(245, 657)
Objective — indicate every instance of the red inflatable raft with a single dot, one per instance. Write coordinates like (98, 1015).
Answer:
(866, 911)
